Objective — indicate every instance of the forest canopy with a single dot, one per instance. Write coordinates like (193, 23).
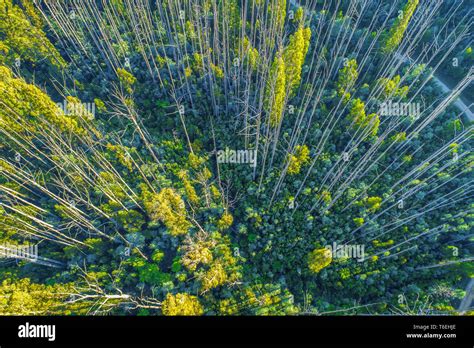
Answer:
(266, 157)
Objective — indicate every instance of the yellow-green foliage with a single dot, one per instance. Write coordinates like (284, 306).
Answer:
(225, 221)
(373, 203)
(126, 79)
(161, 61)
(3, 51)
(76, 109)
(157, 256)
(197, 253)
(319, 259)
(399, 137)
(195, 161)
(265, 298)
(210, 259)
(391, 88)
(250, 53)
(277, 9)
(16, 221)
(294, 56)
(190, 32)
(109, 182)
(380, 244)
(181, 304)
(218, 72)
(23, 38)
(214, 277)
(358, 221)
(32, 13)
(224, 268)
(188, 187)
(34, 107)
(325, 196)
(397, 31)
(345, 273)
(285, 73)
(216, 194)
(21, 297)
(347, 77)
(358, 116)
(275, 91)
(168, 207)
(100, 105)
(119, 5)
(298, 15)
(198, 62)
(122, 154)
(232, 10)
(300, 158)
(454, 147)
(204, 175)
(188, 71)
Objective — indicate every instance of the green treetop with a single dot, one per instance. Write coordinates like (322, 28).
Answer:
(275, 92)
(361, 119)
(27, 108)
(347, 77)
(319, 259)
(21, 297)
(168, 207)
(294, 56)
(398, 29)
(24, 39)
(181, 304)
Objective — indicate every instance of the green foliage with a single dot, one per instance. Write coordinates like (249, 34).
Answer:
(151, 274)
(298, 18)
(360, 119)
(294, 56)
(22, 297)
(225, 221)
(189, 188)
(210, 259)
(373, 203)
(168, 207)
(358, 221)
(392, 89)
(275, 92)
(138, 219)
(32, 105)
(181, 304)
(23, 37)
(398, 29)
(250, 53)
(278, 8)
(259, 299)
(126, 79)
(100, 105)
(218, 72)
(319, 259)
(300, 158)
(347, 77)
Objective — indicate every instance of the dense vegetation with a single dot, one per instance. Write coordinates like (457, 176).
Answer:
(112, 113)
